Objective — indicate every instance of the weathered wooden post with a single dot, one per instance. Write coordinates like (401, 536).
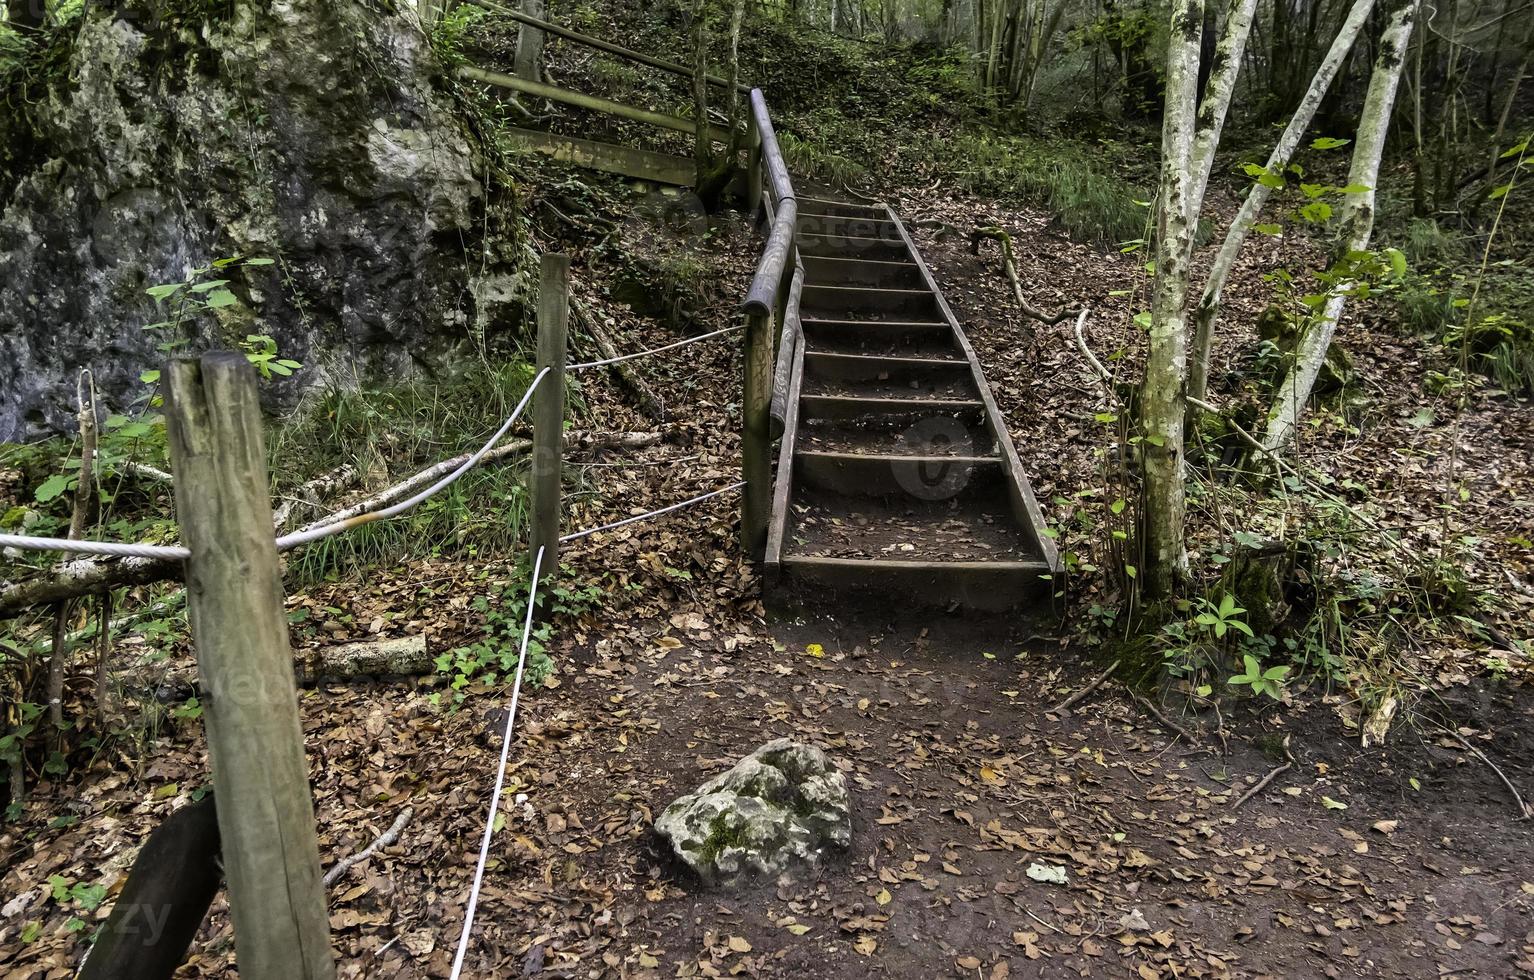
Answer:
(549, 409)
(240, 632)
(527, 61)
(756, 432)
(753, 165)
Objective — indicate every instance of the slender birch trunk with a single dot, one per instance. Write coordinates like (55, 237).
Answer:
(1228, 55)
(1162, 405)
(1209, 305)
(1357, 221)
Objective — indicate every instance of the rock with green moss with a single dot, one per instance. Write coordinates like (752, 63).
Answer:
(782, 807)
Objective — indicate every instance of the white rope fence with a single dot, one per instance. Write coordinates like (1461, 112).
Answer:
(500, 774)
(654, 350)
(654, 513)
(336, 524)
(323, 530)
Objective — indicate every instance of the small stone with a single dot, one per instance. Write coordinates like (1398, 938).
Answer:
(1134, 921)
(782, 806)
(1049, 874)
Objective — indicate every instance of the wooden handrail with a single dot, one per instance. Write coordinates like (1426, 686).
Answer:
(592, 102)
(763, 295)
(596, 42)
(772, 154)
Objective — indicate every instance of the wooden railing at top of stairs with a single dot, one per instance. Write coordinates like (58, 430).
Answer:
(772, 303)
(666, 168)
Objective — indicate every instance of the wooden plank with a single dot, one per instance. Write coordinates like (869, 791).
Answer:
(240, 634)
(592, 102)
(756, 434)
(601, 45)
(1024, 506)
(782, 491)
(884, 362)
(988, 585)
(838, 407)
(549, 410)
(663, 168)
(783, 368)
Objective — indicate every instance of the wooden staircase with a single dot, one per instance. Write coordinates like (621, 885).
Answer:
(896, 474)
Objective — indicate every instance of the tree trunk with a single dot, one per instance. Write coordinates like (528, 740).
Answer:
(1166, 557)
(1357, 222)
(528, 60)
(1228, 54)
(1251, 208)
(25, 14)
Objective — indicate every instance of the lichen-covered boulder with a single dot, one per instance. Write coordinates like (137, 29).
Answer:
(783, 806)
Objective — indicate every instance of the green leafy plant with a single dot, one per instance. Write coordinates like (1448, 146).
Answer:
(1269, 681)
(1223, 617)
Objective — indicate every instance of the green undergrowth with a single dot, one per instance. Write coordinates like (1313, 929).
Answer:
(1485, 320)
(387, 434)
(1088, 200)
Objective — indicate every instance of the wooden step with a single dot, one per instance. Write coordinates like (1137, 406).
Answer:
(868, 302)
(850, 247)
(872, 367)
(924, 477)
(905, 338)
(851, 209)
(983, 585)
(856, 226)
(826, 270)
(974, 524)
(883, 435)
(915, 409)
(928, 385)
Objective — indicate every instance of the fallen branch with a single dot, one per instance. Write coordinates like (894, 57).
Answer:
(386, 839)
(1273, 774)
(941, 227)
(310, 494)
(143, 470)
(1009, 261)
(1148, 706)
(404, 656)
(1081, 345)
(1096, 683)
(623, 371)
(1525, 813)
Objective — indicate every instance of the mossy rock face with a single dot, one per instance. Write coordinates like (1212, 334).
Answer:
(781, 807)
(171, 135)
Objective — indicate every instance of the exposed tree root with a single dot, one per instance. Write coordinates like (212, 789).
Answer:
(1009, 260)
(1273, 774)
(1076, 698)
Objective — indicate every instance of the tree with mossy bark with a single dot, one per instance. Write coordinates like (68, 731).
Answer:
(1356, 221)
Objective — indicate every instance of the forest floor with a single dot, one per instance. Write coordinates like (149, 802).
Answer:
(1406, 860)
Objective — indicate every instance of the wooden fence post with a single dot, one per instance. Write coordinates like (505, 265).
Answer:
(549, 409)
(753, 166)
(756, 435)
(250, 709)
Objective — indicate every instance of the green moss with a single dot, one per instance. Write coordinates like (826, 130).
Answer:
(721, 834)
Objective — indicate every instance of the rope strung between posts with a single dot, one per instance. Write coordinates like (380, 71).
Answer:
(654, 513)
(500, 772)
(330, 526)
(654, 350)
(111, 549)
(317, 533)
